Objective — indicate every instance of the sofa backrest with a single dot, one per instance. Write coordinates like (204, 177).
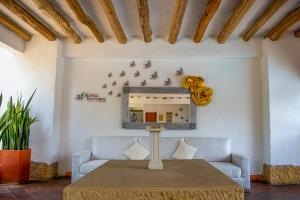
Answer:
(168, 146)
(211, 149)
(112, 147)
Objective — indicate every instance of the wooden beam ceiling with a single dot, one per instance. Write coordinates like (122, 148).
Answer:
(234, 20)
(49, 10)
(11, 25)
(85, 19)
(297, 33)
(290, 19)
(178, 12)
(23, 14)
(269, 12)
(177, 16)
(144, 17)
(113, 19)
(208, 14)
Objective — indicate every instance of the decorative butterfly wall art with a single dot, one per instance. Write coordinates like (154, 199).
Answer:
(109, 74)
(143, 83)
(147, 64)
(168, 82)
(154, 75)
(104, 86)
(122, 74)
(179, 72)
(126, 84)
(114, 83)
(137, 74)
(132, 64)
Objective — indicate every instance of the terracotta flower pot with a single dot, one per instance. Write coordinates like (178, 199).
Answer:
(14, 166)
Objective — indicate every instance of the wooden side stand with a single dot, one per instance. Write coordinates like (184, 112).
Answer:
(155, 161)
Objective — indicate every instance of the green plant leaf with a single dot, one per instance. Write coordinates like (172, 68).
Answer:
(15, 124)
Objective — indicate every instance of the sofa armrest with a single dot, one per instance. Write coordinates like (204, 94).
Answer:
(78, 158)
(82, 156)
(244, 163)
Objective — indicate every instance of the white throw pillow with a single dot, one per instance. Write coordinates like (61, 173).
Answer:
(136, 152)
(184, 151)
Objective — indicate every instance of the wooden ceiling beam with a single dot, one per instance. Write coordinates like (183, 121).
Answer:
(48, 9)
(11, 25)
(290, 19)
(234, 20)
(22, 13)
(176, 21)
(297, 33)
(269, 12)
(85, 19)
(209, 12)
(113, 19)
(144, 16)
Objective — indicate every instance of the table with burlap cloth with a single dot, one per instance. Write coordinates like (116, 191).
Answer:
(132, 180)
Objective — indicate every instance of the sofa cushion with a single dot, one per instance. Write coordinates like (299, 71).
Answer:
(137, 152)
(228, 169)
(111, 147)
(211, 149)
(168, 146)
(184, 151)
(90, 166)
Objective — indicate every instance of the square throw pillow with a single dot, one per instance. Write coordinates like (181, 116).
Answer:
(184, 151)
(136, 152)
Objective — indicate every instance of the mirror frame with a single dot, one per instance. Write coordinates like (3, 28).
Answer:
(165, 90)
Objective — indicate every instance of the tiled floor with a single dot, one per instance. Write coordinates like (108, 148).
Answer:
(52, 190)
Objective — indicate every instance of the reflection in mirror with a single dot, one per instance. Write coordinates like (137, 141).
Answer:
(170, 106)
(159, 108)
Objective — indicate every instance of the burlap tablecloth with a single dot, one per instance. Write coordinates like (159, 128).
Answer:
(131, 180)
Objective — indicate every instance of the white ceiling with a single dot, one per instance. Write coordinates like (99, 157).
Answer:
(160, 13)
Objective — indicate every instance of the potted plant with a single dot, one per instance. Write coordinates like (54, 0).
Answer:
(15, 154)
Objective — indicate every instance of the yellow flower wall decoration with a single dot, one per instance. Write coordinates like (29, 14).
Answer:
(201, 95)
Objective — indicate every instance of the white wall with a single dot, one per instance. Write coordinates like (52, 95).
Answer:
(35, 69)
(284, 100)
(10, 41)
(159, 48)
(235, 111)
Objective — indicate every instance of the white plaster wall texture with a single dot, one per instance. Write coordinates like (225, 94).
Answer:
(10, 41)
(23, 73)
(284, 97)
(235, 111)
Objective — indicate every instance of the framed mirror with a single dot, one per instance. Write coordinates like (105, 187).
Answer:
(170, 106)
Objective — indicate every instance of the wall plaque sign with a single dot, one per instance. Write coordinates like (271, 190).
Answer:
(90, 97)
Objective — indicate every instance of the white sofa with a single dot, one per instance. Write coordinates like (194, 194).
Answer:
(215, 150)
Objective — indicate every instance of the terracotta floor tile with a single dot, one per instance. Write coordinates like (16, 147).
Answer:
(53, 190)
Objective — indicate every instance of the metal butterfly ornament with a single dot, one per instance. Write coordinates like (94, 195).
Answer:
(147, 64)
(126, 84)
(132, 64)
(122, 74)
(154, 75)
(168, 82)
(137, 74)
(179, 72)
(143, 83)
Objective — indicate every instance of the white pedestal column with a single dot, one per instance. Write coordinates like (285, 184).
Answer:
(155, 161)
